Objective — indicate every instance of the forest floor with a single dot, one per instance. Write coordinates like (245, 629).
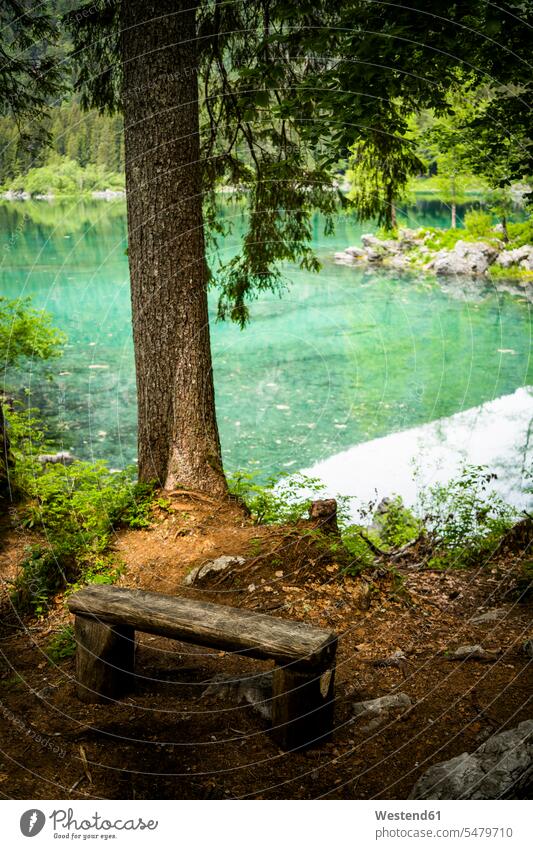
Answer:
(168, 740)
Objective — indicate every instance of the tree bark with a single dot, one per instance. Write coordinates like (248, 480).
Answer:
(505, 234)
(454, 216)
(178, 440)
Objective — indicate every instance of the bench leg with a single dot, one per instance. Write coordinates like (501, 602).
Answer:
(104, 659)
(302, 707)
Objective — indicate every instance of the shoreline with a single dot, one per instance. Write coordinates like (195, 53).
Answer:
(486, 257)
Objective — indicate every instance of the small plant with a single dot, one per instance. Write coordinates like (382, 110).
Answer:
(384, 233)
(282, 499)
(163, 503)
(465, 519)
(39, 578)
(62, 645)
(360, 556)
(103, 570)
(397, 524)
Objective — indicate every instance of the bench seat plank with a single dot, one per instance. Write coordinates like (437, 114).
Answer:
(232, 629)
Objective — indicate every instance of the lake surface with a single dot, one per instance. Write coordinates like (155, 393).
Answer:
(345, 358)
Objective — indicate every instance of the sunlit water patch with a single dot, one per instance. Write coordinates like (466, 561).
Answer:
(497, 434)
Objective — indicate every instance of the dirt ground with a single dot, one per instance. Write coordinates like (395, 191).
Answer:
(166, 740)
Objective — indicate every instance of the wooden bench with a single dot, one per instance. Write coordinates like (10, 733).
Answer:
(303, 680)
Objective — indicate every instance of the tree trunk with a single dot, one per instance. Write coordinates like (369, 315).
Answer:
(505, 234)
(178, 440)
(6, 462)
(393, 219)
(454, 216)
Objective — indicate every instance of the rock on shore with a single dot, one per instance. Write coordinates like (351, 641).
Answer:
(410, 251)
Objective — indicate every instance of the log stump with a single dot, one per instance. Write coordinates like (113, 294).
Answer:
(105, 657)
(323, 514)
(302, 707)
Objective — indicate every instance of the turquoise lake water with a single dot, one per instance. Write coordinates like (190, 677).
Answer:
(346, 356)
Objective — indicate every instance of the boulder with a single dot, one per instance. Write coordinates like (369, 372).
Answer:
(501, 767)
(374, 255)
(323, 514)
(376, 248)
(369, 240)
(465, 258)
(523, 257)
(357, 253)
(351, 255)
(220, 564)
(409, 238)
(399, 261)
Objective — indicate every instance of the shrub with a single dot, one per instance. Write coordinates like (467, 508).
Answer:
(478, 224)
(64, 176)
(464, 518)
(359, 553)
(39, 578)
(443, 239)
(282, 499)
(397, 525)
(26, 333)
(520, 233)
(76, 507)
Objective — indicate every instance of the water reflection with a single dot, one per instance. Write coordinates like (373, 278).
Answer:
(498, 434)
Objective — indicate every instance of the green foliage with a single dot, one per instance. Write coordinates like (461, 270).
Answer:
(443, 239)
(89, 139)
(478, 223)
(398, 525)
(380, 172)
(464, 518)
(433, 185)
(387, 233)
(359, 553)
(39, 578)
(102, 570)
(62, 176)
(76, 508)
(30, 75)
(512, 272)
(26, 333)
(282, 499)
(62, 645)
(520, 233)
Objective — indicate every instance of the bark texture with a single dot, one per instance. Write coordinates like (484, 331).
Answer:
(178, 440)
